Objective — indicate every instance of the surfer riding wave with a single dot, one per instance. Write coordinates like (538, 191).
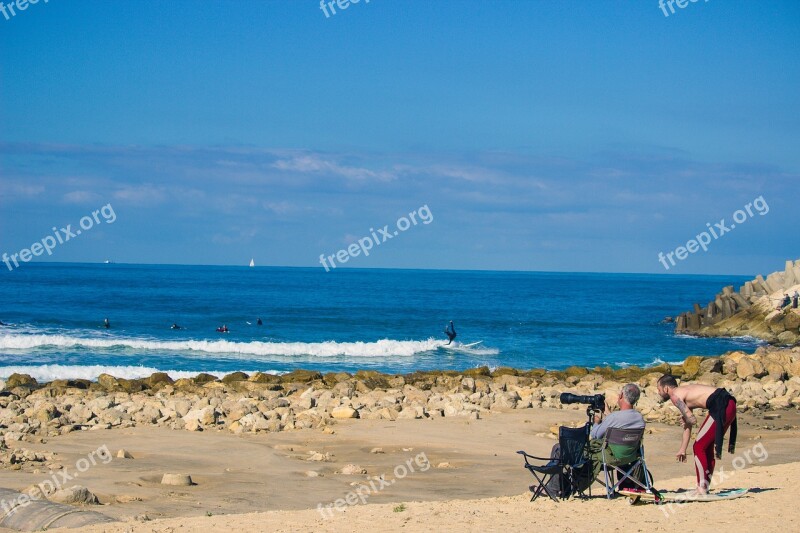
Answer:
(450, 331)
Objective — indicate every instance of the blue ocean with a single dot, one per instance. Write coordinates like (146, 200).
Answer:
(344, 320)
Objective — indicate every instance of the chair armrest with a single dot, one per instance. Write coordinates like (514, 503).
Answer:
(534, 457)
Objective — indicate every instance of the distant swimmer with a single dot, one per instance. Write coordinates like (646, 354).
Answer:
(259, 322)
(106, 323)
(450, 331)
(223, 329)
(175, 326)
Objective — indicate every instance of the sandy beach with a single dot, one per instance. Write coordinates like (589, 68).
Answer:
(466, 475)
(330, 452)
(515, 513)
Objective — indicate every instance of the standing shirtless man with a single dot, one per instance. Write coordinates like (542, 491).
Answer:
(708, 443)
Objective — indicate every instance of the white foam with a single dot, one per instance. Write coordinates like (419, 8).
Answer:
(45, 373)
(381, 348)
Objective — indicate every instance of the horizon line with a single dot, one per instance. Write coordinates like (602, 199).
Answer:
(351, 268)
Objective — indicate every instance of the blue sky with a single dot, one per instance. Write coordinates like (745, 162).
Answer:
(573, 135)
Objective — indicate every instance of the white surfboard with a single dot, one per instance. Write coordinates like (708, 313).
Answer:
(457, 347)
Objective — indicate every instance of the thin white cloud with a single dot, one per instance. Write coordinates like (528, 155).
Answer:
(146, 194)
(81, 197)
(314, 164)
(20, 189)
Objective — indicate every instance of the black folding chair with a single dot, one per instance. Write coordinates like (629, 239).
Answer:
(571, 461)
(626, 460)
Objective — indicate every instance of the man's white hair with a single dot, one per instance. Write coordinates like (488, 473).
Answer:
(631, 393)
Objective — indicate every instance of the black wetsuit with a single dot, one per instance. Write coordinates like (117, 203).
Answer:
(716, 404)
(450, 331)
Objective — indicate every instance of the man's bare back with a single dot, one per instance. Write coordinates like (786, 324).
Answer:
(694, 396)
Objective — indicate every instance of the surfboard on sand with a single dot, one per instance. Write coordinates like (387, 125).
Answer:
(672, 496)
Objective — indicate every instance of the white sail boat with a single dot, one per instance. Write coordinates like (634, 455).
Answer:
(252, 263)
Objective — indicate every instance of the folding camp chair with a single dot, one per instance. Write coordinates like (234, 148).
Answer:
(572, 459)
(622, 454)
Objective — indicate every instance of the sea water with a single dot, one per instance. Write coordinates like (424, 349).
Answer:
(343, 320)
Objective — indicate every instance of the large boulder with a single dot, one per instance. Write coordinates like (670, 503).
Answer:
(788, 338)
(750, 367)
(132, 385)
(302, 376)
(20, 380)
(691, 366)
(775, 370)
(731, 360)
(203, 378)
(159, 379)
(108, 382)
(477, 372)
(260, 377)
(235, 376)
(576, 371)
(46, 413)
(505, 371)
(371, 380)
(185, 385)
(792, 320)
(344, 412)
(793, 369)
(75, 495)
(206, 416)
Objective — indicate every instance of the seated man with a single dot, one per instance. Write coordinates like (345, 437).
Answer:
(626, 418)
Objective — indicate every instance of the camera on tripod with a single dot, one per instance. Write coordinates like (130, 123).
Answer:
(596, 402)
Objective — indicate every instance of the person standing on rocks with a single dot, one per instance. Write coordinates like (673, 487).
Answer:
(707, 447)
(795, 300)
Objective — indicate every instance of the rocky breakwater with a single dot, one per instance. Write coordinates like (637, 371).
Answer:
(753, 310)
(241, 403)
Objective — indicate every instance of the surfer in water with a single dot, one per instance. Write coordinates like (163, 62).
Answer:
(106, 323)
(450, 331)
(175, 326)
(259, 322)
(223, 329)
